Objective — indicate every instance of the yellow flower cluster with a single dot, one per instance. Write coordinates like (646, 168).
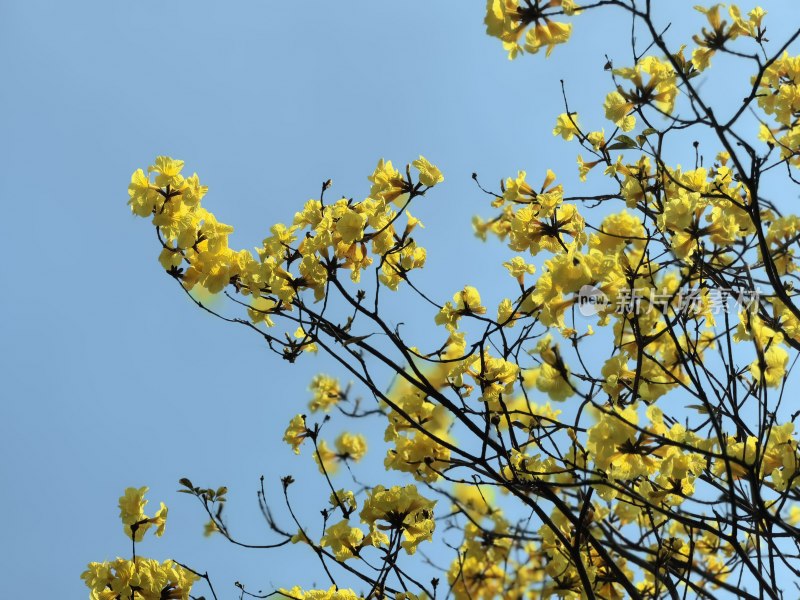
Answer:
(349, 446)
(528, 414)
(528, 467)
(780, 235)
(142, 578)
(640, 464)
(346, 541)
(707, 553)
(769, 367)
(327, 393)
(401, 509)
(779, 458)
(661, 465)
(480, 573)
(332, 593)
(779, 97)
(465, 302)
(146, 579)
(696, 211)
(475, 500)
(296, 433)
(337, 236)
(654, 81)
(508, 20)
(552, 375)
(494, 376)
(563, 579)
(131, 510)
(415, 449)
(720, 33)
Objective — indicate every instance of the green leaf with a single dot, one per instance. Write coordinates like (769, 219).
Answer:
(628, 142)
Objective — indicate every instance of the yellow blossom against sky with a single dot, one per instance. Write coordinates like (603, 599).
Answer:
(112, 382)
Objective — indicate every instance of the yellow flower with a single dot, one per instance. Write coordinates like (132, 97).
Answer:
(418, 454)
(552, 381)
(617, 376)
(215, 233)
(495, 375)
(660, 89)
(701, 58)
(330, 594)
(314, 275)
(429, 174)
(170, 258)
(311, 215)
(547, 33)
(474, 499)
(306, 344)
(210, 528)
(619, 230)
(403, 509)
(192, 192)
(327, 393)
(144, 196)
(597, 139)
(468, 301)
(327, 460)
(585, 167)
(567, 126)
(617, 448)
(160, 520)
(351, 226)
(618, 109)
(396, 265)
(296, 433)
(281, 238)
(351, 446)
(773, 370)
(387, 183)
(344, 499)
(507, 21)
(131, 511)
(506, 315)
(518, 189)
(744, 455)
(260, 309)
(177, 223)
(570, 271)
(473, 577)
(345, 541)
(465, 302)
(518, 268)
(168, 171)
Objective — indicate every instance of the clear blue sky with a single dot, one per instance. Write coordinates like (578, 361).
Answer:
(110, 377)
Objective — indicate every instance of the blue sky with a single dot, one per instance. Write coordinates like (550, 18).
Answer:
(111, 377)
